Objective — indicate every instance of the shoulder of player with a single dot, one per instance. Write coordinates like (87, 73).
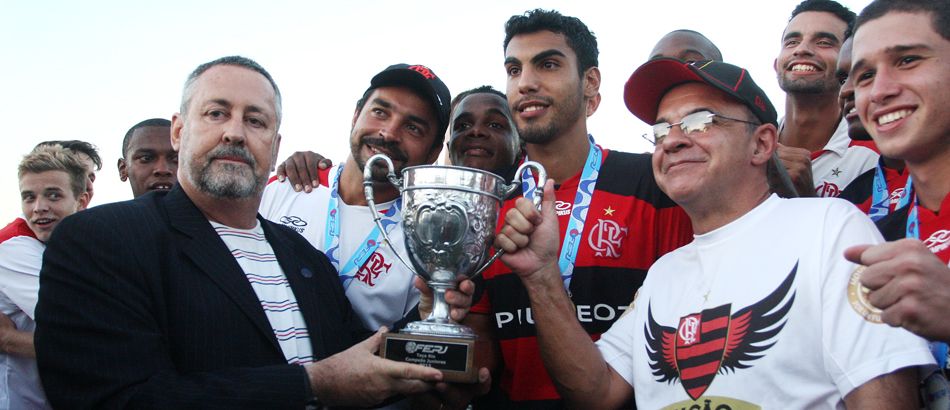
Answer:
(16, 228)
(630, 174)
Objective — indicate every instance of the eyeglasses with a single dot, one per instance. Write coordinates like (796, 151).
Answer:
(695, 122)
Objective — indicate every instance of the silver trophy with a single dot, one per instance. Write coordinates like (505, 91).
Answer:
(449, 215)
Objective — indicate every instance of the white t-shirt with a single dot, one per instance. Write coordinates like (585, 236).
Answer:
(756, 313)
(21, 257)
(256, 258)
(381, 291)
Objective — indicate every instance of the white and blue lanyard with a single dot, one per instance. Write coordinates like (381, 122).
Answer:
(331, 236)
(880, 198)
(575, 227)
(939, 349)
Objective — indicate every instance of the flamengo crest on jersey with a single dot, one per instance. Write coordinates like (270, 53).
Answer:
(713, 342)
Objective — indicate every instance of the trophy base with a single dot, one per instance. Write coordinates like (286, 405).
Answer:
(452, 355)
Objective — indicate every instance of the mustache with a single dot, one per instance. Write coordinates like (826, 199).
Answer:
(543, 99)
(390, 148)
(232, 152)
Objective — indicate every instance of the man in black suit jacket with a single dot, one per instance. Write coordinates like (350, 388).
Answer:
(142, 304)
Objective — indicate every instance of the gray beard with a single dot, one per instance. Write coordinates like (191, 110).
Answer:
(232, 183)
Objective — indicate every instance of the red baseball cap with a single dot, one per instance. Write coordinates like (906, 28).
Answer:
(652, 80)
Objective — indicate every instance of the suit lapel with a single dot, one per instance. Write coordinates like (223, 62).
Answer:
(205, 248)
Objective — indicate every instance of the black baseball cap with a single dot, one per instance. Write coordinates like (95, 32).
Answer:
(424, 81)
(653, 80)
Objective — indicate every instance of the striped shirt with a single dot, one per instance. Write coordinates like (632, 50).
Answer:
(256, 258)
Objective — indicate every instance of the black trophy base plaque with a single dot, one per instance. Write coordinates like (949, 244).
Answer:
(453, 356)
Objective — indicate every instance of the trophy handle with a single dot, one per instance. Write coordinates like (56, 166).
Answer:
(516, 182)
(536, 200)
(370, 201)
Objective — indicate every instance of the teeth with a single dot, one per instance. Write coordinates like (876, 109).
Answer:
(853, 110)
(892, 116)
(803, 67)
(532, 108)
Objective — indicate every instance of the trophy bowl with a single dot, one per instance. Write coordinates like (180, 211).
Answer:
(449, 215)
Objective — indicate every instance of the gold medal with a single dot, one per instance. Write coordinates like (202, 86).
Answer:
(858, 297)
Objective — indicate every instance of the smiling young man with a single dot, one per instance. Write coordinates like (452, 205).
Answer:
(814, 144)
(482, 134)
(615, 220)
(753, 313)
(901, 73)
(878, 190)
(52, 187)
(148, 160)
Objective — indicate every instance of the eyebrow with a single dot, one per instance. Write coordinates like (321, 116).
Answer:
(827, 35)
(547, 53)
(388, 105)
(898, 49)
(821, 35)
(250, 108)
(512, 60)
(494, 111)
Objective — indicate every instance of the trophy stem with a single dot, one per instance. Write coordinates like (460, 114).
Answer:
(440, 308)
(439, 323)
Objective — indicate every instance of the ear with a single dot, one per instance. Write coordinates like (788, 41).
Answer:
(592, 83)
(275, 147)
(356, 114)
(83, 201)
(177, 125)
(123, 171)
(592, 104)
(765, 142)
(775, 66)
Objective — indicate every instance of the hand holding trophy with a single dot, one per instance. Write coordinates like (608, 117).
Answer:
(449, 215)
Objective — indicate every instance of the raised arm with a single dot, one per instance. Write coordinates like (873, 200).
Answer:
(577, 368)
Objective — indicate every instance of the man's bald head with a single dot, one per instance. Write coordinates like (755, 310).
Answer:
(686, 45)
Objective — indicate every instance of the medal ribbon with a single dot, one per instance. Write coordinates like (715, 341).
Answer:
(331, 236)
(880, 198)
(938, 349)
(575, 227)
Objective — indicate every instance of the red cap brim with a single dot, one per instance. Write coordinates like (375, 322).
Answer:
(650, 83)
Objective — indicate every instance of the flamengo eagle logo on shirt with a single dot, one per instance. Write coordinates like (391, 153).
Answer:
(606, 238)
(372, 269)
(713, 341)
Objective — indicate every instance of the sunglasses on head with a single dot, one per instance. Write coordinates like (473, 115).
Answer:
(695, 122)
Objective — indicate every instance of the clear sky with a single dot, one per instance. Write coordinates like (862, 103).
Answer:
(89, 70)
